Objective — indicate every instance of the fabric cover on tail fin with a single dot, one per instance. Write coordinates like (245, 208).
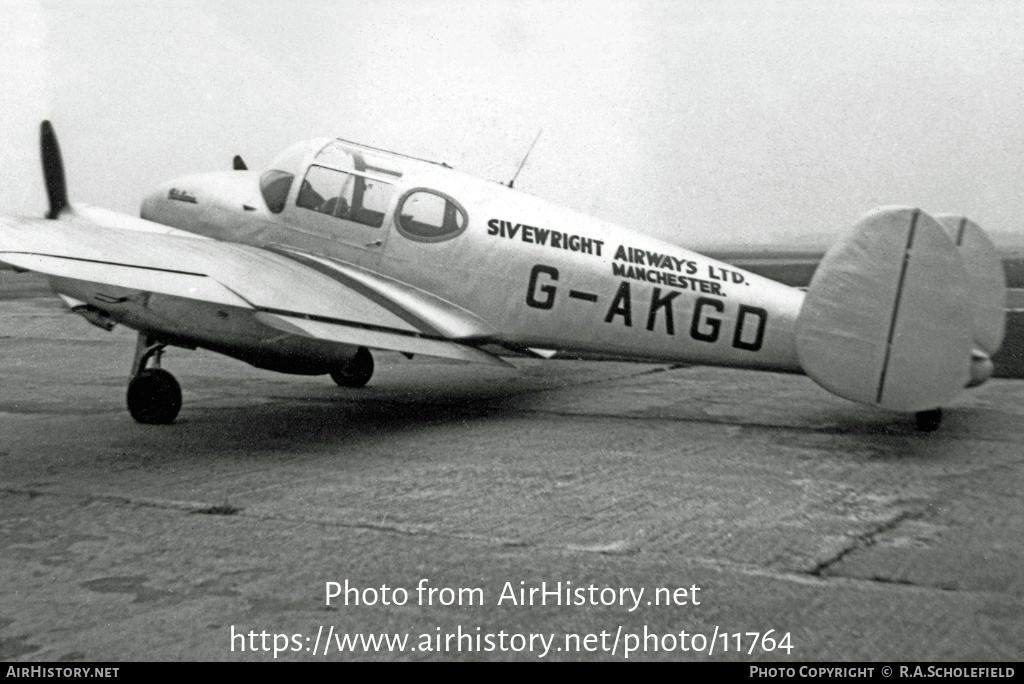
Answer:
(887, 319)
(987, 280)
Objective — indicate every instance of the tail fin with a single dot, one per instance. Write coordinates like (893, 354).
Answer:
(987, 280)
(888, 317)
(53, 171)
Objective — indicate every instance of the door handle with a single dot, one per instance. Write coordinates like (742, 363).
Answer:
(375, 243)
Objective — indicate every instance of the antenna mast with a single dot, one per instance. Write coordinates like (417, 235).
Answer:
(527, 156)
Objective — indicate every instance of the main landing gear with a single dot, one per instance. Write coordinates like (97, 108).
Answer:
(928, 421)
(357, 372)
(154, 396)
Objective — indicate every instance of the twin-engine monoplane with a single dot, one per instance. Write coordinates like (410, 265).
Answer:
(339, 248)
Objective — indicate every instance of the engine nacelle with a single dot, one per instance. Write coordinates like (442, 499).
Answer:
(228, 330)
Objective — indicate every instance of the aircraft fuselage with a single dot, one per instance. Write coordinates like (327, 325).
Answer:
(543, 276)
(339, 248)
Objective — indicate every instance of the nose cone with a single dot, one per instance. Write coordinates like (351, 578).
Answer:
(177, 203)
(207, 204)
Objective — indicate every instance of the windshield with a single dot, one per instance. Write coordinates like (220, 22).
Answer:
(274, 185)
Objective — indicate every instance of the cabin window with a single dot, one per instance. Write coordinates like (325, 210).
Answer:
(429, 216)
(374, 202)
(346, 196)
(274, 185)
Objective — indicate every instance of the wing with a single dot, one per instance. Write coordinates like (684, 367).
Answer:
(298, 293)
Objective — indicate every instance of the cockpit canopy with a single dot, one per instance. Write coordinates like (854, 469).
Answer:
(277, 182)
(356, 183)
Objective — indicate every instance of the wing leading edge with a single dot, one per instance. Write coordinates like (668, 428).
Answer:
(334, 302)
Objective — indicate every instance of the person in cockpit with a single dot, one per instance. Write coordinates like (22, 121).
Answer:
(308, 197)
(336, 206)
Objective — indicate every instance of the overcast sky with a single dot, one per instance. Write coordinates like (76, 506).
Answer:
(693, 121)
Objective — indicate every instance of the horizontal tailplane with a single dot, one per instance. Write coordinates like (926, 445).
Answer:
(888, 318)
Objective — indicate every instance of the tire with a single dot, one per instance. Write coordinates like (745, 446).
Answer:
(357, 372)
(928, 421)
(154, 397)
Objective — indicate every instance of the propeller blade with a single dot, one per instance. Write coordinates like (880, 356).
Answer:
(53, 170)
(239, 164)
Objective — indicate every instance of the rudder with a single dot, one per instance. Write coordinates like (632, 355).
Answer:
(986, 277)
(887, 319)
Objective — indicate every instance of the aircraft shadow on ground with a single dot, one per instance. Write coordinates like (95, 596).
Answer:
(322, 422)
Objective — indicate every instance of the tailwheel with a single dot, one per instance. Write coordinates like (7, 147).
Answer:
(357, 372)
(154, 397)
(928, 421)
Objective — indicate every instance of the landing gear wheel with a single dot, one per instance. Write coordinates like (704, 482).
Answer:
(356, 372)
(928, 421)
(154, 397)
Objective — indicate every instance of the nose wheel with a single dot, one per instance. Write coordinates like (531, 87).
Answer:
(357, 372)
(154, 396)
